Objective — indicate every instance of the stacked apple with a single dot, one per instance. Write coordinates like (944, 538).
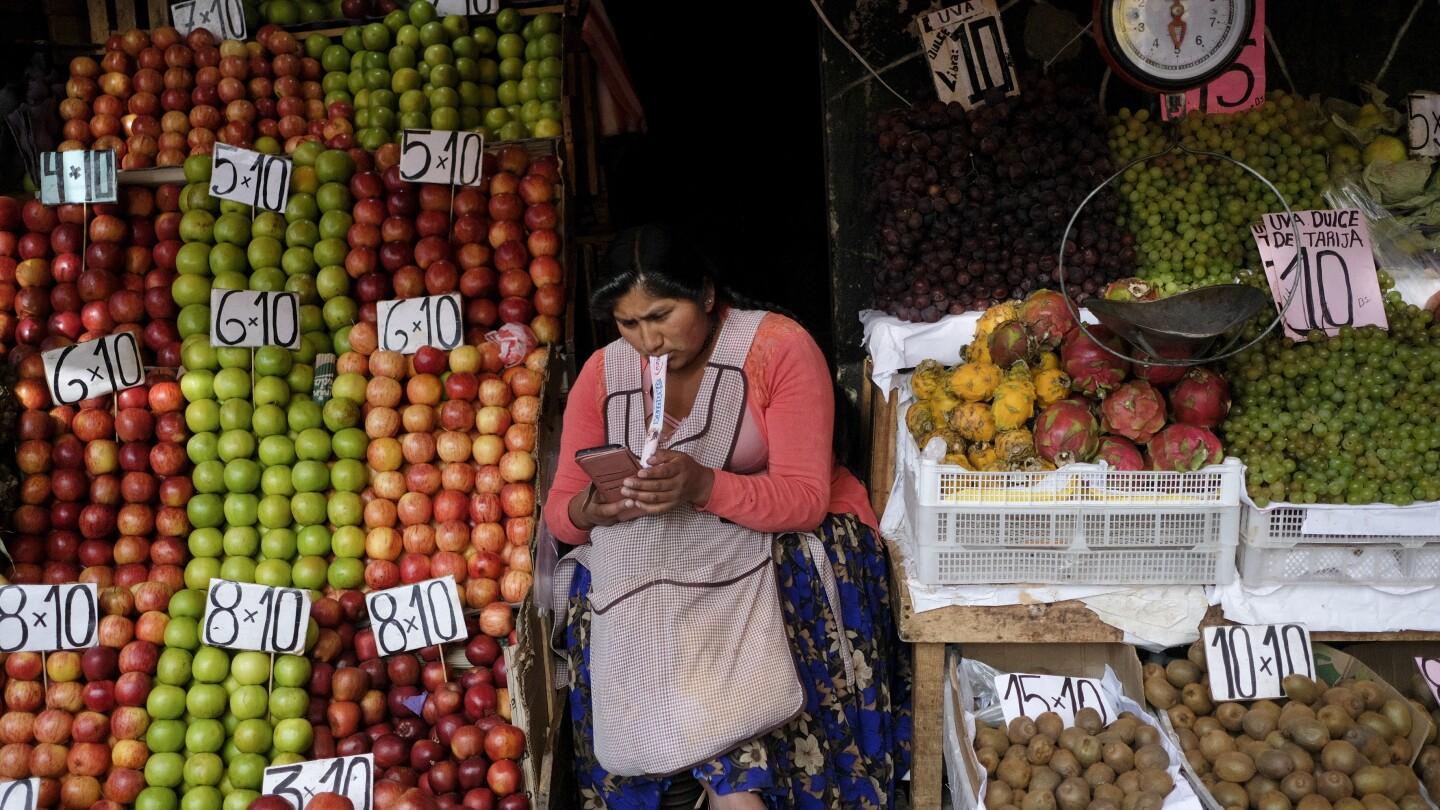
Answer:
(526, 243)
(77, 721)
(460, 747)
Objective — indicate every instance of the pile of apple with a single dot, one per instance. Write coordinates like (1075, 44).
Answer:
(460, 748)
(415, 70)
(74, 273)
(77, 721)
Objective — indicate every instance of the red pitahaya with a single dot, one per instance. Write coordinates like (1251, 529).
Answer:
(1066, 432)
(1135, 410)
(1011, 343)
(1201, 399)
(1120, 453)
(1184, 448)
(1092, 368)
(1049, 317)
(1159, 375)
(1130, 289)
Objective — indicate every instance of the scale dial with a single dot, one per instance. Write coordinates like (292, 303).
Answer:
(1172, 45)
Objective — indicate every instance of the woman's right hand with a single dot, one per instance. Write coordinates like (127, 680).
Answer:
(588, 509)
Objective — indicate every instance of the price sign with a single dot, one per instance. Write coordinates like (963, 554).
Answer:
(1033, 695)
(249, 177)
(40, 618)
(1333, 266)
(93, 368)
(77, 177)
(965, 45)
(467, 8)
(23, 794)
(1430, 671)
(1424, 124)
(1248, 662)
(244, 616)
(406, 324)
(414, 616)
(324, 380)
(223, 18)
(431, 156)
(251, 319)
(1241, 87)
(352, 777)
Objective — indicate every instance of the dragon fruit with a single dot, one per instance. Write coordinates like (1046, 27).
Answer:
(1184, 448)
(1011, 343)
(1159, 375)
(1066, 432)
(1049, 317)
(1092, 368)
(1120, 453)
(1201, 398)
(1130, 289)
(1135, 410)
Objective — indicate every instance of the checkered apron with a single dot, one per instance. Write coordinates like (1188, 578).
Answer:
(688, 651)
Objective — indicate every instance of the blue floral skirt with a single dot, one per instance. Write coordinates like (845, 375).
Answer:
(847, 748)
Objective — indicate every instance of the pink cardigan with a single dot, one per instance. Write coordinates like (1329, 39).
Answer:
(791, 401)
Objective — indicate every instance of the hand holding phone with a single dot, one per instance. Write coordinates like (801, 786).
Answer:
(608, 466)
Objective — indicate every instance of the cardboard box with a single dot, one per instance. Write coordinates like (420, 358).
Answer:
(1395, 660)
(1332, 666)
(1082, 660)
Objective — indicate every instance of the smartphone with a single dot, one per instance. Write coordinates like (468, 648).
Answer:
(608, 466)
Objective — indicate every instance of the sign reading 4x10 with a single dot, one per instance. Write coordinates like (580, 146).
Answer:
(249, 177)
(77, 177)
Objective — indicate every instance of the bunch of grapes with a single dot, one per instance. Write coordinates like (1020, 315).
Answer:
(970, 206)
(1352, 419)
(1191, 215)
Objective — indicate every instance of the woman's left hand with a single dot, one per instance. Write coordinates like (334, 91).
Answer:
(671, 479)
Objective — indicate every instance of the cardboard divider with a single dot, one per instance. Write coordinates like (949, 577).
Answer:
(1332, 666)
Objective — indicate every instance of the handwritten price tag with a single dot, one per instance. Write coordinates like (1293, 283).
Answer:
(1241, 87)
(244, 616)
(40, 618)
(1249, 662)
(223, 18)
(432, 156)
(1032, 695)
(413, 616)
(1424, 124)
(352, 777)
(406, 324)
(93, 368)
(251, 319)
(1430, 671)
(20, 795)
(77, 177)
(965, 45)
(467, 8)
(243, 176)
(1334, 267)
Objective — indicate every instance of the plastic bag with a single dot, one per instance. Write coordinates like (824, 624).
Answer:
(515, 341)
(1403, 245)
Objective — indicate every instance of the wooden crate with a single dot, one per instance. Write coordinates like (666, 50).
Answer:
(109, 17)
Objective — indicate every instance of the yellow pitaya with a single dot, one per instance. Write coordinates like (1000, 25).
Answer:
(975, 382)
(974, 421)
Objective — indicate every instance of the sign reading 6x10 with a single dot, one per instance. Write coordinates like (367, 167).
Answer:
(250, 319)
(249, 177)
(93, 368)
(406, 324)
(453, 158)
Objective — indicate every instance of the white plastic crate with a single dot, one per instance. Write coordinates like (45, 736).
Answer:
(1279, 550)
(1082, 524)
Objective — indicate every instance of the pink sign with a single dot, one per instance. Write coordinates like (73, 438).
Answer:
(1239, 88)
(1430, 671)
(1334, 268)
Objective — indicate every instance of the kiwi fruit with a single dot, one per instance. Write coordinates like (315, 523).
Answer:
(1038, 800)
(1072, 794)
(1160, 693)
(1197, 699)
(1300, 689)
(1349, 803)
(1398, 713)
(1257, 724)
(1252, 748)
(1155, 781)
(1147, 801)
(1103, 804)
(1118, 756)
(1106, 791)
(1146, 734)
(989, 760)
(1040, 750)
(1340, 756)
(1205, 725)
(1420, 692)
(1302, 758)
(1069, 737)
(1371, 779)
(997, 794)
(1187, 738)
(1334, 785)
(1087, 751)
(1229, 794)
(1128, 782)
(1371, 693)
(1375, 801)
(1377, 723)
(1151, 670)
(1429, 759)
(1151, 758)
(1294, 713)
(1126, 727)
(1274, 764)
(1050, 725)
(1181, 673)
(1231, 716)
(1297, 785)
(1401, 750)
(1198, 761)
(1274, 800)
(1064, 763)
(1314, 801)
(1310, 735)
(1276, 740)
(1100, 774)
(1089, 719)
(1020, 730)
(1345, 698)
(1267, 705)
(1181, 716)
(1413, 802)
(1335, 720)
(1233, 766)
(1258, 786)
(991, 737)
(1043, 779)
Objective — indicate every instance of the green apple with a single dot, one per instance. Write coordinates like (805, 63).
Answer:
(166, 736)
(313, 443)
(271, 391)
(313, 541)
(204, 543)
(308, 508)
(249, 702)
(188, 603)
(202, 797)
(165, 702)
(310, 476)
(277, 450)
(294, 735)
(346, 573)
(268, 420)
(348, 542)
(345, 509)
(173, 667)
(199, 571)
(204, 736)
(277, 481)
(275, 573)
(208, 477)
(349, 475)
(236, 444)
(250, 668)
(293, 671)
(202, 415)
(238, 569)
(252, 736)
(210, 665)
(182, 632)
(201, 447)
(165, 769)
(247, 771)
(269, 279)
(204, 769)
(205, 511)
(273, 512)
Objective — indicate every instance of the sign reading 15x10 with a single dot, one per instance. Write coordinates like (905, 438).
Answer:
(251, 319)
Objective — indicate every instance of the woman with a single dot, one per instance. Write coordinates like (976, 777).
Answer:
(749, 392)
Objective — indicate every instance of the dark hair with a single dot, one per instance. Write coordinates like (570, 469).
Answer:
(657, 259)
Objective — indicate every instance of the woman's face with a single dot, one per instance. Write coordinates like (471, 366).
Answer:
(678, 327)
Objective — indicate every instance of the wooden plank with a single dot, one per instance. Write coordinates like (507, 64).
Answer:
(882, 443)
(99, 21)
(124, 15)
(159, 11)
(929, 721)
